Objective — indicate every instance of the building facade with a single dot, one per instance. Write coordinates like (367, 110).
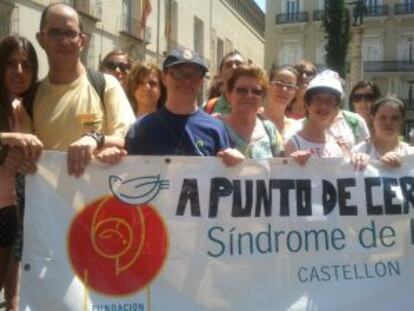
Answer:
(294, 31)
(210, 27)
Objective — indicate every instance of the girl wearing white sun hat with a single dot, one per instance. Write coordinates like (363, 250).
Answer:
(323, 97)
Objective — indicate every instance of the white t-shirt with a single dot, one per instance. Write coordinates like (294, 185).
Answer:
(403, 149)
(329, 149)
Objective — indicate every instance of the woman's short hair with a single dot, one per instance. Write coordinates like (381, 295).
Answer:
(228, 55)
(248, 71)
(136, 76)
(305, 67)
(389, 99)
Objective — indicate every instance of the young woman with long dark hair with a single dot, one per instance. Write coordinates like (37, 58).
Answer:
(18, 74)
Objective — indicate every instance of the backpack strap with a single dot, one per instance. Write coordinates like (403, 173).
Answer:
(353, 123)
(178, 141)
(269, 136)
(295, 141)
(209, 108)
(97, 80)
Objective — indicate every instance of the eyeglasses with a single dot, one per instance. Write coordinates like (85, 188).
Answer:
(308, 74)
(361, 97)
(244, 91)
(281, 84)
(111, 65)
(231, 63)
(192, 75)
(59, 34)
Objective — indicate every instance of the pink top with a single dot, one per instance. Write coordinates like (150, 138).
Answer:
(7, 178)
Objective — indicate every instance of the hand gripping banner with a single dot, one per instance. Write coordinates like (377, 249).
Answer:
(188, 233)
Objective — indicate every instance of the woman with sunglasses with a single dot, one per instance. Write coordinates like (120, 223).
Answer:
(282, 92)
(322, 98)
(18, 74)
(363, 95)
(253, 137)
(116, 63)
(384, 145)
(145, 89)
(306, 71)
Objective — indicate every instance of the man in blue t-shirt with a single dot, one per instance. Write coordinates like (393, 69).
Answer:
(180, 127)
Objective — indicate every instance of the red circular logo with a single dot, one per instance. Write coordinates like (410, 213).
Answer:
(116, 248)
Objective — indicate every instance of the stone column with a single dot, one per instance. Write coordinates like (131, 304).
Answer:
(357, 70)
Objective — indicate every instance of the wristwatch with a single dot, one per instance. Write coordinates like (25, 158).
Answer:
(98, 137)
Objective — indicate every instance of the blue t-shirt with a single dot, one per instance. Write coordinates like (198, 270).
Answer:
(165, 133)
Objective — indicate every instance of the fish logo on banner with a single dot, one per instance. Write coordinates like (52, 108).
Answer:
(118, 244)
(138, 190)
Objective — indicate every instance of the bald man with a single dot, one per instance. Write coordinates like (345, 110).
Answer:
(68, 114)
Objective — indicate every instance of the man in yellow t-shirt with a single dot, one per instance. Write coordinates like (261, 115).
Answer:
(68, 114)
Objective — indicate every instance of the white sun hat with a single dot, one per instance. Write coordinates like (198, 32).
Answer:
(327, 79)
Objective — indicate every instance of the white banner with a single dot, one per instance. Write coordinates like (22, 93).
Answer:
(187, 233)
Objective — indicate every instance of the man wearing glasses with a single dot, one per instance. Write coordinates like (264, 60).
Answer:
(180, 127)
(230, 61)
(68, 113)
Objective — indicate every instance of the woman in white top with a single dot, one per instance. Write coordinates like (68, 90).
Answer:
(283, 88)
(322, 98)
(387, 115)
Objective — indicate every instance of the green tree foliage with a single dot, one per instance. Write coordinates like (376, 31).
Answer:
(337, 25)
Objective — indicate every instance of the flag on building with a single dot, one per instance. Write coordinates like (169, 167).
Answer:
(146, 11)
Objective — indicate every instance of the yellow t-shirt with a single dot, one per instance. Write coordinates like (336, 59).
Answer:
(63, 113)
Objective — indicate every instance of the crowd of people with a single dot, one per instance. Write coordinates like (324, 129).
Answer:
(130, 109)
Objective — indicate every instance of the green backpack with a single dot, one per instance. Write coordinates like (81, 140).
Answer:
(353, 123)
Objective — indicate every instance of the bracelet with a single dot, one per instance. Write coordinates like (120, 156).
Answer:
(98, 137)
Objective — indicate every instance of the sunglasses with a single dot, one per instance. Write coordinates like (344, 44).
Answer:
(309, 74)
(281, 84)
(361, 97)
(244, 91)
(192, 75)
(123, 67)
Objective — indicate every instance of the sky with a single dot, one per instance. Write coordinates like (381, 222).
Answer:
(261, 4)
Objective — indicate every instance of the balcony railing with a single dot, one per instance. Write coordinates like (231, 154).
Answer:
(388, 66)
(409, 103)
(404, 8)
(296, 17)
(9, 14)
(318, 15)
(132, 27)
(376, 10)
(92, 8)
(9, 3)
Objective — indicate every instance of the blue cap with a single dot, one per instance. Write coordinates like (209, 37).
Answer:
(184, 56)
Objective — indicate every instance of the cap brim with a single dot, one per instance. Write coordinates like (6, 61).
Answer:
(179, 62)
